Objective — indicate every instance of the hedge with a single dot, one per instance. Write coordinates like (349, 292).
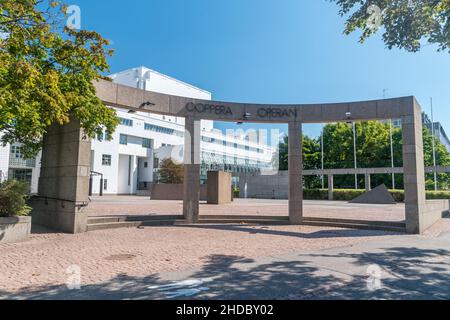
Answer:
(350, 194)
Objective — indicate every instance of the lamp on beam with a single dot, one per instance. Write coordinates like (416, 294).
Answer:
(144, 104)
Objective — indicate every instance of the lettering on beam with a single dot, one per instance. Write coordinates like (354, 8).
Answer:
(208, 108)
(277, 112)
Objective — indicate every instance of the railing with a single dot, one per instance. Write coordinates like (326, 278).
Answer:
(21, 163)
(144, 185)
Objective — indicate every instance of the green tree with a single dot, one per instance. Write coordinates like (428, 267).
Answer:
(406, 23)
(170, 172)
(373, 150)
(47, 73)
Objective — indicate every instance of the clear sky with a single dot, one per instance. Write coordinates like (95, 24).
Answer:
(266, 51)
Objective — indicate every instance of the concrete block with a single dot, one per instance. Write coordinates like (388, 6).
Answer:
(378, 195)
(14, 229)
(219, 187)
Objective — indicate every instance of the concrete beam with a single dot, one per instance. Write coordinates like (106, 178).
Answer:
(295, 173)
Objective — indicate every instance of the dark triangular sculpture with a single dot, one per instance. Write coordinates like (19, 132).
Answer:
(379, 195)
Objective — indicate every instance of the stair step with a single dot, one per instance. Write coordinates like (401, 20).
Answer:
(354, 226)
(112, 219)
(352, 221)
(246, 221)
(114, 225)
(243, 217)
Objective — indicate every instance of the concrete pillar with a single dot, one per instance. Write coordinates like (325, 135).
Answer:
(330, 187)
(367, 182)
(191, 189)
(414, 172)
(295, 173)
(64, 180)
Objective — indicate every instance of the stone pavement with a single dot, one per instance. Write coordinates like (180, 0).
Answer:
(130, 205)
(230, 262)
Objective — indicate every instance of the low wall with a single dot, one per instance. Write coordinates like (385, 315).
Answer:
(434, 211)
(259, 186)
(163, 191)
(14, 229)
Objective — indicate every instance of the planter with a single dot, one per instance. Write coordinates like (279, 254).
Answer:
(14, 229)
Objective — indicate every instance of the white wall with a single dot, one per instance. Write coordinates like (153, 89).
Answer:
(4, 161)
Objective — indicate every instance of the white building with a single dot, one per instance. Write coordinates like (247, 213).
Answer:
(128, 162)
(14, 166)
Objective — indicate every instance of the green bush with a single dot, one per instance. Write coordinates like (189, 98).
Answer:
(12, 199)
(438, 195)
(350, 194)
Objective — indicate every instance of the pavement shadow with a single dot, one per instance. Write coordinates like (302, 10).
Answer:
(414, 274)
(325, 233)
(221, 277)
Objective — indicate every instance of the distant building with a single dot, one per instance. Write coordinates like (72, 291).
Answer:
(129, 161)
(439, 131)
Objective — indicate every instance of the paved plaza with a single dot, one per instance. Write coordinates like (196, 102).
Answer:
(228, 261)
(130, 205)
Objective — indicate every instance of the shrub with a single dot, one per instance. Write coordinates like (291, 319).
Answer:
(12, 199)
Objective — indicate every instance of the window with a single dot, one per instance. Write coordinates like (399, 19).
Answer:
(106, 160)
(123, 139)
(159, 129)
(145, 164)
(105, 184)
(147, 143)
(16, 152)
(126, 122)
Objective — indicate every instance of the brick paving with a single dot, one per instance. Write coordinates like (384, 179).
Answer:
(103, 255)
(126, 205)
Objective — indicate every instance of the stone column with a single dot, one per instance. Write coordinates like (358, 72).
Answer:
(295, 173)
(64, 180)
(191, 188)
(367, 182)
(414, 172)
(330, 187)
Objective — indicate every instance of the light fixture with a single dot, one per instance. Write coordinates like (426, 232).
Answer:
(349, 116)
(148, 103)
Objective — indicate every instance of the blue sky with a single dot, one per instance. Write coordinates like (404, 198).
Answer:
(266, 51)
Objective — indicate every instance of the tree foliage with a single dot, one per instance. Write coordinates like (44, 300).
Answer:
(47, 72)
(170, 172)
(12, 199)
(373, 150)
(406, 23)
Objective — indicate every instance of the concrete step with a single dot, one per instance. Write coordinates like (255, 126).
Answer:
(243, 217)
(102, 223)
(112, 219)
(354, 226)
(245, 221)
(397, 224)
(114, 225)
